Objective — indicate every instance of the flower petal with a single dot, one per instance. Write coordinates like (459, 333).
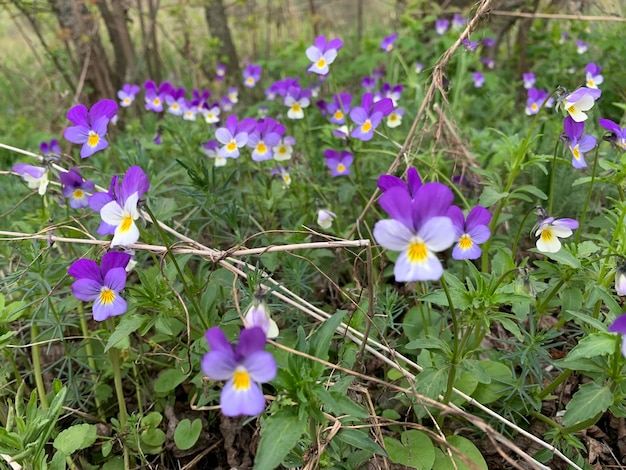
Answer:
(103, 311)
(219, 364)
(248, 402)
(85, 269)
(261, 366)
(392, 234)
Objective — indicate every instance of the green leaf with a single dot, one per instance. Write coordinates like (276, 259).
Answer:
(128, 324)
(534, 190)
(590, 399)
(430, 343)
(187, 433)
(79, 436)
(321, 339)
(279, 434)
(500, 376)
(466, 448)
(168, 381)
(359, 439)
(490, 196)
(596, 344)
(589, 365)
(154, 437)
(562, 256)
(431, 382)
(415, 450)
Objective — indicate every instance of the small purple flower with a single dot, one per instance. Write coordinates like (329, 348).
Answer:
(51, 150)
(200, 99)
(339, 107)
(36, 177)
(155, 96)
(395, 118)
(469, 232)
(234, 135)
(578, 144)
(297, 99)
(233, 95)
(535, 100)
(549, 230)
(619, 326)
(102, 284)
(118, 207)
(620, 278)
(90, 126)
(579, 101)
(529, 80)
(127, 94)
(458, 22)
(489, 42)
(368, 116)
(243, 369)
(441, 26)
(251, 75)
(387, 43)
(368, 83)
(220, 72)
(470, 46)
(581, 46)
(489, 62)
(593, 75)
(325, 218)
(338, 163)
(284, 149)
(418, 67)
(258, 315)
(618, 134)
(75, 188)
(418, 228)
(283, 172)
(175, 104)
(263, 140)
(479, 79)
(387, 91)
(322, 54)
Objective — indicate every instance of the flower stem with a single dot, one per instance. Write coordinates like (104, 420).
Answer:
(90, 357)
(41, 388)
(552, 177)
(581, 219)
(114, 355)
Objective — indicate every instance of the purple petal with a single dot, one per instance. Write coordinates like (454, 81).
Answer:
(414, 180)
(223, 135)
(587, 143)
(386, 182)
(619, 325)
(569, 223)
(87, 151)
(359, 115)
(76, 134)
(251, 340)
(250, 402)
(455, 214)
(103, 311)
(217, 341)
(115, 279)
(384, 106)
(135, 181)
(392, 234)
(610, 125)
(432, 199)
(86, 289)
(477, 216)
(219, 364)
(573, 129)
(479, 234)
(85, 269)
(77, 115)
(261, 366)
(103, 108)
(98, 200)
(396, 202)
(336, 43)
(438, 233)
(473, 252)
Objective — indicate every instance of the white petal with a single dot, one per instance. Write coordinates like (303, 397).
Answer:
(112, 213)
(392, 235)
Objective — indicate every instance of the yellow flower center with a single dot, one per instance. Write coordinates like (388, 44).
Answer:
(250, 80)
(389, 47)
(367, 126)
(465, 242)
(338, 115)
(78, 194)
(321, 63)
(156, 101)
(296, 108)
(241, 379)
(127, 223)
(534, 107)
(107, 296)
(175, 106)
(591, 83)
(393, 117)
(127, 100)
(282, 150)
(287, 178)
(547, 235)
(341, 168)
(417, 252)
(93, 139)
(576, 152)
(231, 146)
(261, 148)
(572, 109)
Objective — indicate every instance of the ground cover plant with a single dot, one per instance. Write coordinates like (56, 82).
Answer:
(394, 252)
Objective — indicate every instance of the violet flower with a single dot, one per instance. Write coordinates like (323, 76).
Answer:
(296, 100)
(338, 163)
(410, 186)
(549, 230)
(617, 137)
(535, 100)
(418, 228)
(155, 96)
(368, 116)
(469, 232)
(251, 75)
(458, 22)
(211, 113)
(234, 135)
(470, 46)
(368, 83)
(258, 315)
(284, 149)
(118, 207)
(325, 218)
(36, 177)
(581, 46)
(620, 278)
(263, 140)
(200, 99)
(284, 174)
(593, 75)
(127, 94)
(76, 188)
(578, 144)
(322, 54)
(339, 107)
(479, 79)
(387, 43)
(90, 126)
(220, 72)
(441, 26)
(619, 326)
(395, 118)
(51, 150)
(102, 284)
(243, 368)
(529, 80)
(579, 101)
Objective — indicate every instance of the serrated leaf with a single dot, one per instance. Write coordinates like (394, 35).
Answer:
(596, 344)
(466, 448)
(77, 437)
(187, 433)
(279, 434)
(590, 399)
(127, 325)
(415, 450)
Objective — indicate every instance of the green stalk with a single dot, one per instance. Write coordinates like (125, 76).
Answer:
(552, 176)
(114, 355)
(90, 357)
(554, 384)
(455, 344)
(581, 219)
(41, 388)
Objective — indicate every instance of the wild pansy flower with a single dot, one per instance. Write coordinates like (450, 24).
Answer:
(75, 188)
(620, 278)
(296, 100)
(395, 118)
(489, 62)
(284, 174)
(263, 140)
(281, 87)
(618, 134)
(226, 104)
(284, 149)
(251, 75)
(342, 132)
(418, 228)
(549, 230)
(535, 100)
(234, 135)
(368, 83)
(220, 72)
(210, 149)
(579, 101)
(258, 315)
(529, 80)
(262, 111)
(469, 232)
(243, 368)
(619, 326)
(118, 207)
(479, 79)
(441, 26)
(378, 73)
(470, 46)
(339, 107)
(36, 177)
(322, 54)
(127, 94)
(200, 99)
(368, 116)
(155, 96)
(387, 91)
(50, 150)
(314, 89)
(581, 46)
(90, 126)
(418, 67)
(102, 284)
(175, 101)
(592, 75)
(577, 142)
(458, 22)
(158, 138)
(325, 218)
(387, 43)
(211, 113)
(233, 94)
(338, 163)
(489, 42)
